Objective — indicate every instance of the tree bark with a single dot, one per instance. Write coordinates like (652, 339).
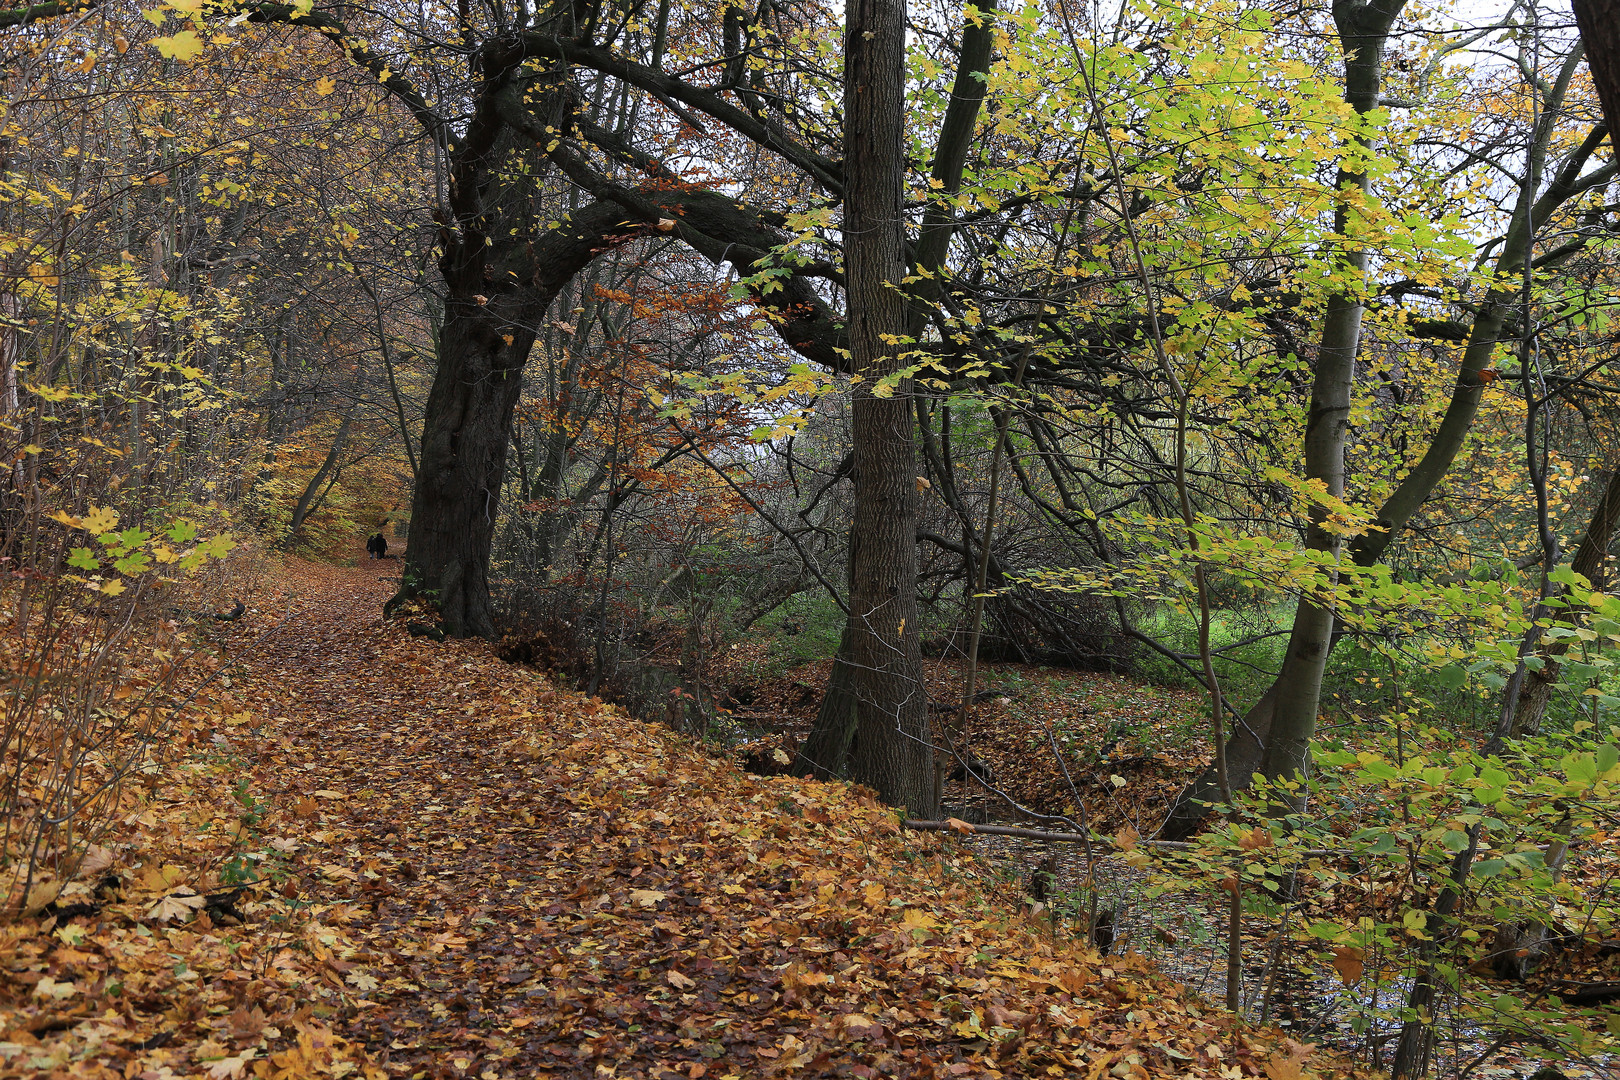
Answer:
(465, 433)
(1534, 690)
(1363, 29)
(1599, 21)
(827, 751)
(893, 752)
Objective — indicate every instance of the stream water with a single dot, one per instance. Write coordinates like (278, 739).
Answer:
(1184, 934)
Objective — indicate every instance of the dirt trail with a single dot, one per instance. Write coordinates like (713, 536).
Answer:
(482, 875)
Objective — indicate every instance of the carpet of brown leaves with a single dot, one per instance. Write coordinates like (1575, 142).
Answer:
(466, 872)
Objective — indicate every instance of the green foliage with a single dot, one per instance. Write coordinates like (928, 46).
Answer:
(804, 629)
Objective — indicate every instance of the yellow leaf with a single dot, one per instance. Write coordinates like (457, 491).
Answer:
(184, 46)
(88, 64)
(51, 990)
(1290, 1066)
(112, 588)
(40, 895)
(647, 897)
(917, 919)
(100, 520)
(325, 86)
(67, 519)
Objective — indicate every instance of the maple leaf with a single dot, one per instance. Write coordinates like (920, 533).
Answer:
(100, 521)
(1291, 1065)
(176, 905)
(231, 1067)
(679, 981)
(51, 990)
(161, 878)
(647, 897)
(362, 982)
(1348, 962)
(246, 1025)
(184, 46)
(325, 86)
(96, 860)
(917, 919)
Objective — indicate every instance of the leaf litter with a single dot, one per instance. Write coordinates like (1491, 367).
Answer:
(377, 856)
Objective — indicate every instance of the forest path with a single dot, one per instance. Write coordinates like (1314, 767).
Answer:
(510, 880)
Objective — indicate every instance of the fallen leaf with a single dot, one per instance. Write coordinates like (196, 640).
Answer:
(176, 905)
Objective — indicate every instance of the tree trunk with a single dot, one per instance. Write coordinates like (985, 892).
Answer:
(1363, 28)
(10, 354)
(1599, 21)
(466, 430)
(1485, 335)
(893, 752)
(826, 752)
(1529, 704)
(307, 499)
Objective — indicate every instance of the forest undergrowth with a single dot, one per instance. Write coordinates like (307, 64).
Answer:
(376, 856)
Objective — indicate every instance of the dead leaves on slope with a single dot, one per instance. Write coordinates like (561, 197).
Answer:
(502, 880)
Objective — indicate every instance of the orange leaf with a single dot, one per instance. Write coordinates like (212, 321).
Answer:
(1347, 961)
